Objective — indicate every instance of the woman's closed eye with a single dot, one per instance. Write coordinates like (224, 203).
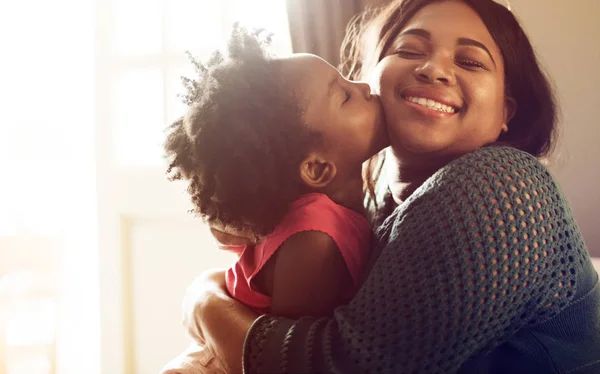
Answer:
(465, 62)
(409, 53)
(469, 64)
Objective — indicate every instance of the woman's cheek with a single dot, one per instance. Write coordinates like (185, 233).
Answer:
(376, 78)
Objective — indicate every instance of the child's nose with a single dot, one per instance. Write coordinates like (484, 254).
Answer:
(364, 89)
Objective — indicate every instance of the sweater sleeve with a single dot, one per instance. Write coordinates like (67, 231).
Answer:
(485, 247)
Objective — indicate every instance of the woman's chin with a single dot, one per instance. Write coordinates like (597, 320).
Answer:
(417, 144)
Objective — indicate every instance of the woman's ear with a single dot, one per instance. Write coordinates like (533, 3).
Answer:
(316, 171)
(510, 109)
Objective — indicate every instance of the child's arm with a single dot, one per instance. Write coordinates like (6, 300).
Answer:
(309, 276)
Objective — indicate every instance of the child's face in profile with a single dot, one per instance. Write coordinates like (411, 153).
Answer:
(345, 113)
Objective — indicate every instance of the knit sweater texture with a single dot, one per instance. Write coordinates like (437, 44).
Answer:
(482, 270)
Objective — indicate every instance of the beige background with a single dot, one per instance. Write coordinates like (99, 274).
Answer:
(566, 36)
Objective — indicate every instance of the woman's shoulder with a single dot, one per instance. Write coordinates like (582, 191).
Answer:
(494, 175)
(496, 160)
(496, 220)
(495, 168)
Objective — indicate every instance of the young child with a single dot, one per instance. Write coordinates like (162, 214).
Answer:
(274, 148)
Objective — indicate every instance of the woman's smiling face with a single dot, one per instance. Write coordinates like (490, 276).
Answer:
(442, 85)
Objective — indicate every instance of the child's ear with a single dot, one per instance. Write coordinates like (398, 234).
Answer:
(316, 171)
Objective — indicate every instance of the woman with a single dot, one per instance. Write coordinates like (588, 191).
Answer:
(481, 266)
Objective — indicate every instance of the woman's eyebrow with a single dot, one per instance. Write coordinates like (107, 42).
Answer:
(417, 32)
(461, 41)
(475, 43)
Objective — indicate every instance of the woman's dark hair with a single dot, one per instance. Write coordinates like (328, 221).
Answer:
(242, 141)
(533, 129)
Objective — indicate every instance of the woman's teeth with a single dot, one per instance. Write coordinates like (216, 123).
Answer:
(431, 104)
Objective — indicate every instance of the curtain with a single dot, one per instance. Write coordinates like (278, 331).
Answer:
(318, 26)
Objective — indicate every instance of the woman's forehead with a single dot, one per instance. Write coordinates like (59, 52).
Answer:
(449, 19)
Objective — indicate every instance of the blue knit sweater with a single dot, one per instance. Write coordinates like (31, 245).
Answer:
(482, 270)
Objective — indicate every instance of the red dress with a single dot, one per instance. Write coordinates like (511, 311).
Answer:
(312, 212)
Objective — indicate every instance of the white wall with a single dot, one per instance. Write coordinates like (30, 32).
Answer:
(566, 36)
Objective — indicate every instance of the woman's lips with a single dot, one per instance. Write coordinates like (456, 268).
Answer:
(426, 111)
(431, 104)
(430, 101)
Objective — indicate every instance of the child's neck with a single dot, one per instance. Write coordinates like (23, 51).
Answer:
(347, 190)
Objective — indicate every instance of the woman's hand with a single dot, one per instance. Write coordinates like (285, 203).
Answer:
(197, 295)
(217, 321)
(211, 316)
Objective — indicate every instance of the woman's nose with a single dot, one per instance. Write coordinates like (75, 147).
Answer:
(436, 70)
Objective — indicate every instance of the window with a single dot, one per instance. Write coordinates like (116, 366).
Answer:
(88, 87)
(28, 305)
(144, 52)
(48, 272)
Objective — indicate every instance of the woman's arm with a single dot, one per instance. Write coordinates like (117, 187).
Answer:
(225, 324)
(309, 277)
(481, 250)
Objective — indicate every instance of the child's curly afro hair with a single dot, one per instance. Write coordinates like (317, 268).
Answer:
(243, 139)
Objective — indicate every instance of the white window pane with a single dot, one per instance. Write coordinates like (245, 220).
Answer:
(34, 361)
(138, 117)
(137, 26)
(31, 322)
(194, 25)
(8, 223)
(38, 278)
(36, 203)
